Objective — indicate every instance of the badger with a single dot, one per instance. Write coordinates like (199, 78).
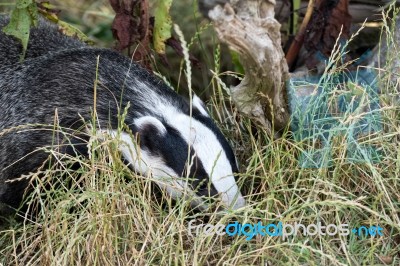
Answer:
(57, 78)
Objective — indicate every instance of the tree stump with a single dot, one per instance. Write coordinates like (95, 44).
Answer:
(250, 28)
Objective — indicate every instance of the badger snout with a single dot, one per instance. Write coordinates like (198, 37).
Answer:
(198, 168)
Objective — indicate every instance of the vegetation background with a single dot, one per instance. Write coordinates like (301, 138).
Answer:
(109, 216)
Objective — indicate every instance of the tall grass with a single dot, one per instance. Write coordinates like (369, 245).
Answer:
(105, 214)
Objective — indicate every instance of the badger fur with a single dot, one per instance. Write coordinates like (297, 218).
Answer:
(58, 74)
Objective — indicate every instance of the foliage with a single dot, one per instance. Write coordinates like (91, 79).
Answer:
(162, 25)
(23, 17)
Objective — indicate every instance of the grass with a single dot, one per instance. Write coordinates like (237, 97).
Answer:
(104, 214)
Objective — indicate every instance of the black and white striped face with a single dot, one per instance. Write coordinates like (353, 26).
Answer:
(188, 156)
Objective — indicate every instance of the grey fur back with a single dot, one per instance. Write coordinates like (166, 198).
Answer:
(44, 39)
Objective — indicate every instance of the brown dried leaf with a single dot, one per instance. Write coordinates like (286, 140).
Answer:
(325, 27)
(132, 29)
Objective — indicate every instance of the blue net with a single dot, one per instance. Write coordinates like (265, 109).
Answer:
(322, 107)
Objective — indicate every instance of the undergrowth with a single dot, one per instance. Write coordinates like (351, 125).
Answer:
(96, 211)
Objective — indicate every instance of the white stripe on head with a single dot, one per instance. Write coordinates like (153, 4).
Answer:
(212, 155)
(207, 148)
(204, 142)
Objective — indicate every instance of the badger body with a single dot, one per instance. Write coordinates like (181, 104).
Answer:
(56, 82)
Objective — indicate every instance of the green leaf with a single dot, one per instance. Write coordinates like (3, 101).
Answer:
(296, 7)
(23, 3)
(72, 31)
(23, 17)
(64, 27)
(162, 25)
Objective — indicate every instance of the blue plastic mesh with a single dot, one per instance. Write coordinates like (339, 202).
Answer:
(341, 104)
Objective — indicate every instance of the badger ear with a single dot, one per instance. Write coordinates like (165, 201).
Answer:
(150, 125)
(199, 104)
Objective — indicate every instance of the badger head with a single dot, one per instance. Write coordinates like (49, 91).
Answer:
(187, 155)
